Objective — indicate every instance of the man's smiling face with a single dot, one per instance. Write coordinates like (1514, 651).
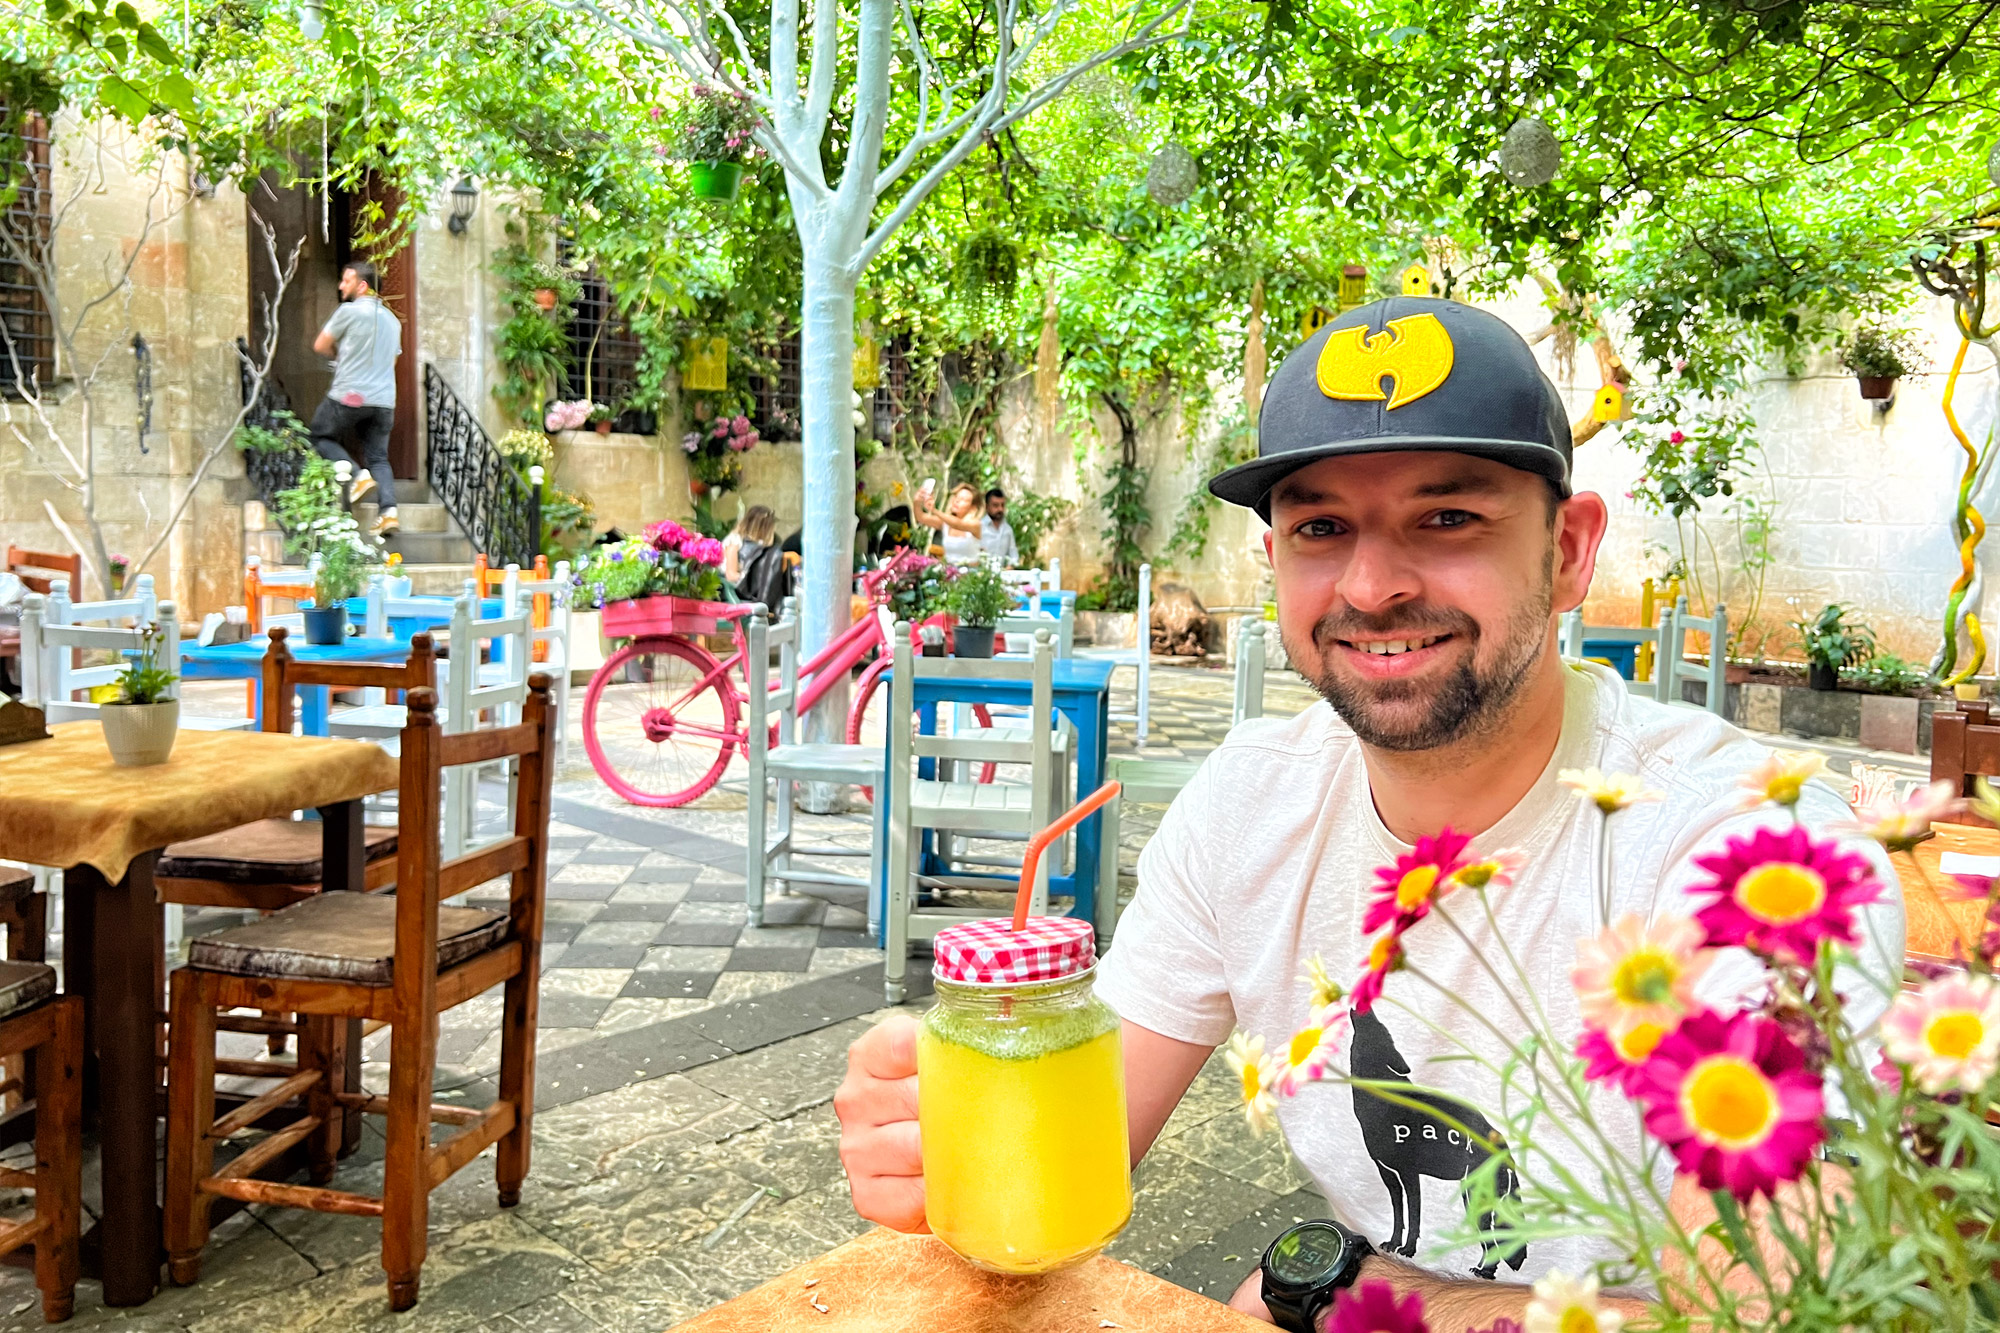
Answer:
(1416, 589)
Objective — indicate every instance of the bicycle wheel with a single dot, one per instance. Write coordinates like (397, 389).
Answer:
(867, 717)
(660, 721)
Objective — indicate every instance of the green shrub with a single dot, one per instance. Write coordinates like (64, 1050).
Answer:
(1886, 673)
(1830, 640)
(978, 597)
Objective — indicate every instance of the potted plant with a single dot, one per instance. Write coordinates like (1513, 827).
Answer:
(978, 598)
(140, 725)
(601, 417)
(714, 137)
(119, 564)
(1831, 642)
(916, 588)
(319, 529)
(713, 448)
(553, 286)
(567, 415)
(1879, 357)
(657, 582)
(394, 581)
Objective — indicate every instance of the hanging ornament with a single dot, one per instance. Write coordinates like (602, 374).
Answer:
(1353, 286)
(1172, 176)
(1610, 405)
(1993, 164)
(867, 363)
(1529, 153)
(1416, 281)
(707, 365)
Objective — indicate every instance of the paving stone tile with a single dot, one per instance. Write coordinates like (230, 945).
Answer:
(603, 955)
(797, 911)
(572, 891)
(759, 959)
(732, 913)
(1221, 1142)
(623, 909)
(830, 938)
(672, 872)
(699, 934)
(652, 1293)
(629, 1012)
(559, 1009)
(730, 987)
(749, 1024)
(592, 1067)
(704, 891)
(685, 958)
(602, 931)
(641, 1125)
(769, 936)
(571, 912)
(636, 1212)
(826, 961)
(601, 983)
(551, 1314)
(668, 985)
(1177, 1204)
(609, 856)
(575, 873)
(633, 892)
(784, 1079)
(1217, 1265)
(839, 917)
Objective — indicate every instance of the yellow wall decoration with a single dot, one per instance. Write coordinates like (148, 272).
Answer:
(1316, 318)
(1353, 286)
(867, 364)
(1416, 281)
(1415, 351)
(1610, 404)
(707, 364)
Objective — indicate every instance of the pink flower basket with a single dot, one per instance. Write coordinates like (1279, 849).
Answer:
(640, 616)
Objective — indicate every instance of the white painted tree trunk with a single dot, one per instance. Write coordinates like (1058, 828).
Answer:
(826, 397)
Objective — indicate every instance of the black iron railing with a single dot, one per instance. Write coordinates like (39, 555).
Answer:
(268, 472)
(494, 504)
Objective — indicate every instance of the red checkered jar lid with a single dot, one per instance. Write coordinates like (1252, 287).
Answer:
(993, 953)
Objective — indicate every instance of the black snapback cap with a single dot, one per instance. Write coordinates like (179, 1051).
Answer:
(1411, 372)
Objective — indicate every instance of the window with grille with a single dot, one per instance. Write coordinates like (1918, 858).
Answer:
(27, 335)
(779, 411)
(604, 354)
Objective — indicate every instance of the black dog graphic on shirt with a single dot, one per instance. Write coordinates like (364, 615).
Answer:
(1408, 1144)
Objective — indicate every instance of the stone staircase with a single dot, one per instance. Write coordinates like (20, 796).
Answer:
(436, 555)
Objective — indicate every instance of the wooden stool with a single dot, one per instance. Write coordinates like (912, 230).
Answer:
(35, 1022)
(401, 960)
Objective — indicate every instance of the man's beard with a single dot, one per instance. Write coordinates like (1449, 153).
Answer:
(1467, 702)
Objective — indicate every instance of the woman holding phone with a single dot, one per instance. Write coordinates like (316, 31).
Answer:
(958, 523)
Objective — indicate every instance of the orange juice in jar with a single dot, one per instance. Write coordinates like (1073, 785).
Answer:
(1021, 1098)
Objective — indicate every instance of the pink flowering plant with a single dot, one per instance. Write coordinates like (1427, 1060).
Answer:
(716, 445)
(713, 125)
(665, 561)
(1860, 1149)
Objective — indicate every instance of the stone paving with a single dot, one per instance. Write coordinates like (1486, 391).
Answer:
(684, 1138)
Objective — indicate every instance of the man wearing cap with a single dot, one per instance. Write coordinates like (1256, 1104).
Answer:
(1414, 467)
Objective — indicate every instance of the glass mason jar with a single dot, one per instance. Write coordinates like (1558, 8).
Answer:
(1021, 1099)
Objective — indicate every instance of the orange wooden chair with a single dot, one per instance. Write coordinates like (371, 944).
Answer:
(37, 568)
(490, 580)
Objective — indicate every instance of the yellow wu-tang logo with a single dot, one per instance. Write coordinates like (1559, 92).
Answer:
(1415, 351)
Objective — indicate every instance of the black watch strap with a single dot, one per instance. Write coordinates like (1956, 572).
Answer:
(1298, 1310)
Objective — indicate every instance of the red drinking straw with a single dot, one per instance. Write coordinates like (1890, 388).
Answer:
(1088, 805)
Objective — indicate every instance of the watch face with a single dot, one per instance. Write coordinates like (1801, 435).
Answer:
(1307, 1254)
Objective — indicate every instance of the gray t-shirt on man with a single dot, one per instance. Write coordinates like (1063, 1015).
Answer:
(367, 339)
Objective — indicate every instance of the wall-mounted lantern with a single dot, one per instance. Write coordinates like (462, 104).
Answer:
(464, 203)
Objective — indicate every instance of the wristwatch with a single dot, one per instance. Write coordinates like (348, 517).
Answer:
(1305, 1266)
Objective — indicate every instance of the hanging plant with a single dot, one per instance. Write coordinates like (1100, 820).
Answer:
(714, 133)
(1172, 176)
(989, 272)
(1878, 357)
(1529, 152)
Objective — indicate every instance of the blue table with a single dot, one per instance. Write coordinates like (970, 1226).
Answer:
(436, 614)
(1082, 690)
(245, 661)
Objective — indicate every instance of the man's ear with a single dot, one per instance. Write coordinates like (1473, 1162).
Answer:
(1580, 525)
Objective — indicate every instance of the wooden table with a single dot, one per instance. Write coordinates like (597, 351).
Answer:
(886, 1282)
(64, 803)
(1938, 929)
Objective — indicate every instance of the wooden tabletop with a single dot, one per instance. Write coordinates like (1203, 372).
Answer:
(64, 803)
(886, 1282)
(1936, 928)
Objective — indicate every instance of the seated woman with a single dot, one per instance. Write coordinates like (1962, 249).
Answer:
(959, 523)
(757, 529)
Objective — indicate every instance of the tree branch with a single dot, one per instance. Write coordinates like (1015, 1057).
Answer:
(825, 66)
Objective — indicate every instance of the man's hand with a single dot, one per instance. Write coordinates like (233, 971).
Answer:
(879, 1144)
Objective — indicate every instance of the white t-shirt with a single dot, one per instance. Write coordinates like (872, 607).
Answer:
(960, 548)
(1267, 859)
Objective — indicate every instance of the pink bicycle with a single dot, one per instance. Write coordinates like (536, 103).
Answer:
(664, 715)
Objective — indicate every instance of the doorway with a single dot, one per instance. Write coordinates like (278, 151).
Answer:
(327, 226)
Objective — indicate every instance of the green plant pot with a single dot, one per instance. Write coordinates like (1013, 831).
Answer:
(326, 625)
(716, 180)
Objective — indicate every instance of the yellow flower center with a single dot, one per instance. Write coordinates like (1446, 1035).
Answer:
(1477, 875)
(1785, 789)
(1646, 976)
(1781, 892)
(1415, 886)
(1576, 1319)
(1729, 1102)
(1954, 1034)
(1380, 952)
(1640, 1042)
(1304, 1042)
(1253, 1082)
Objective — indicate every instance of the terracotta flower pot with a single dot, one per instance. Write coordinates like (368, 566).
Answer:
(545, 297)
(601, 427)
(1876, 387)
(697, 487)
(140, 735)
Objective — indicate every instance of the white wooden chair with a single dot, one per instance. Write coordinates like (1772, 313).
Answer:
(791, 761)
(548, 645)
(1673, 667)
(471, 687)
(917, 804)
(1575, 633)
(1139, 657)
(53, 628)
(1062, 628)
(1159, 781)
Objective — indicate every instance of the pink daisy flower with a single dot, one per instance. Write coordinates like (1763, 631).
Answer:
(1898, 824)
(1948, 1033)
(1313, 1049)
(1618, 1060)
(1385, 955)
(1373, 1307)
(1734, 1101)
(1405, 889)
(1635, 974)
(1780, 778)
(1497, 871)
(1779, 893)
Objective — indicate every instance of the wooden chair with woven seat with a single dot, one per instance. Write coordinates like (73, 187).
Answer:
(25, 914)
(43, 1031)
(399, 960)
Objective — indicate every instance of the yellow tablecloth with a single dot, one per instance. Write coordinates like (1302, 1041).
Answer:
(64, 803)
